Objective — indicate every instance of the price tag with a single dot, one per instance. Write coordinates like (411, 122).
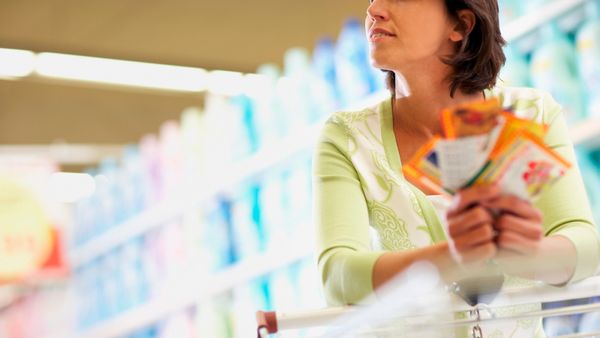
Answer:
(25, 234)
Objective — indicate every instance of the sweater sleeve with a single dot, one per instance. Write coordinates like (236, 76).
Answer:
(344, 252)
(565, 205)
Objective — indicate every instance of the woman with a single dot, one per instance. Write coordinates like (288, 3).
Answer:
(438, 54)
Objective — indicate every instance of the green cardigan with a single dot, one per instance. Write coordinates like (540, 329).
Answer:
(364, 206)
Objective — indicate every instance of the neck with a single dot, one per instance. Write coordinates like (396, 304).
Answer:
(421, 95)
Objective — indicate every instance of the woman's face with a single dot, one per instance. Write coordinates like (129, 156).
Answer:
(403, 33)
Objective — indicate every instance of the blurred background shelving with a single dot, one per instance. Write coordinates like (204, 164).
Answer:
(200, 212)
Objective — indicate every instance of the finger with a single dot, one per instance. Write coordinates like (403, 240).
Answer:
(524, 227)
(466, 198)
(512, 241)
(478, 236)
(514, 205)
(467, 220)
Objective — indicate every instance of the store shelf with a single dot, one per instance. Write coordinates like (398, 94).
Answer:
(196, 193)
(529, 23)
(193, 290)
(587, 133)
(196, 289)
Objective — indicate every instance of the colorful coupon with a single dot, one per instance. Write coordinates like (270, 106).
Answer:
(423, 169)
(471, 119)
(486, 144)
(523, 167)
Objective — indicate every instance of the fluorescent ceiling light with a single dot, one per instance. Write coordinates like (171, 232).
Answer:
(120, 72)
(225, 82)
(16, 62)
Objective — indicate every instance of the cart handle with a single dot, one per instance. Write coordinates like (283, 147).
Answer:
(266, 320)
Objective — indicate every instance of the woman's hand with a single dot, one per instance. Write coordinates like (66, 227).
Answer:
(470, 225)
(519, 224)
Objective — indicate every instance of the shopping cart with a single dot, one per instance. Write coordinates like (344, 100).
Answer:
(433, 314)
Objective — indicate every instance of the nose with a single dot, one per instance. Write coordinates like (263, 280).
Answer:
(376, 11)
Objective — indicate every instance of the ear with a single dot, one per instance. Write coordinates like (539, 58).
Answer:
(464, 25)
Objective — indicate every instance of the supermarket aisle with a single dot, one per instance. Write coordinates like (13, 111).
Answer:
(207, 218)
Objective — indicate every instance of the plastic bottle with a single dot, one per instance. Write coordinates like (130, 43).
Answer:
(86, 296)
(175, 253)
(112, 284)
(135, 279)
(153, 180)
(325, 90)
(294, 89)
(195, 143)
(297, 185)
(218, 236)
(226, 148)
(554, 69)
(96, 293)
(85, 216)
(247, 142)
(274, 211)
(131, 180)
(245, 219)
(109, 198)
(515, 72)
(353, 70)
(588, 49)
(171, 157)
(270, 117)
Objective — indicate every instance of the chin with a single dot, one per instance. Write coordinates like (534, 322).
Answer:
(380, 60)
(379, 64)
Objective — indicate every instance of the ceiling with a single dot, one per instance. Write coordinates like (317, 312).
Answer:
(232, 35)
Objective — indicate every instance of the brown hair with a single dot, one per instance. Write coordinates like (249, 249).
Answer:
(479, 56)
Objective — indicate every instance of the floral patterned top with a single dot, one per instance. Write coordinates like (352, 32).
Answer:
(364, 206)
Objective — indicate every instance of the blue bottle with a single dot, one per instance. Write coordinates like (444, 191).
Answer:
(108, 193)
(588, 49)
(247, 229)
(112, 284)
(247, 138)
(85, 297)
(131, 181)
(298, 194)
(86, 216)
(354, 73)
(274, 214)
(554, 69)
(217, 235)
(515, 72)
(135, 281)
(325, 91)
